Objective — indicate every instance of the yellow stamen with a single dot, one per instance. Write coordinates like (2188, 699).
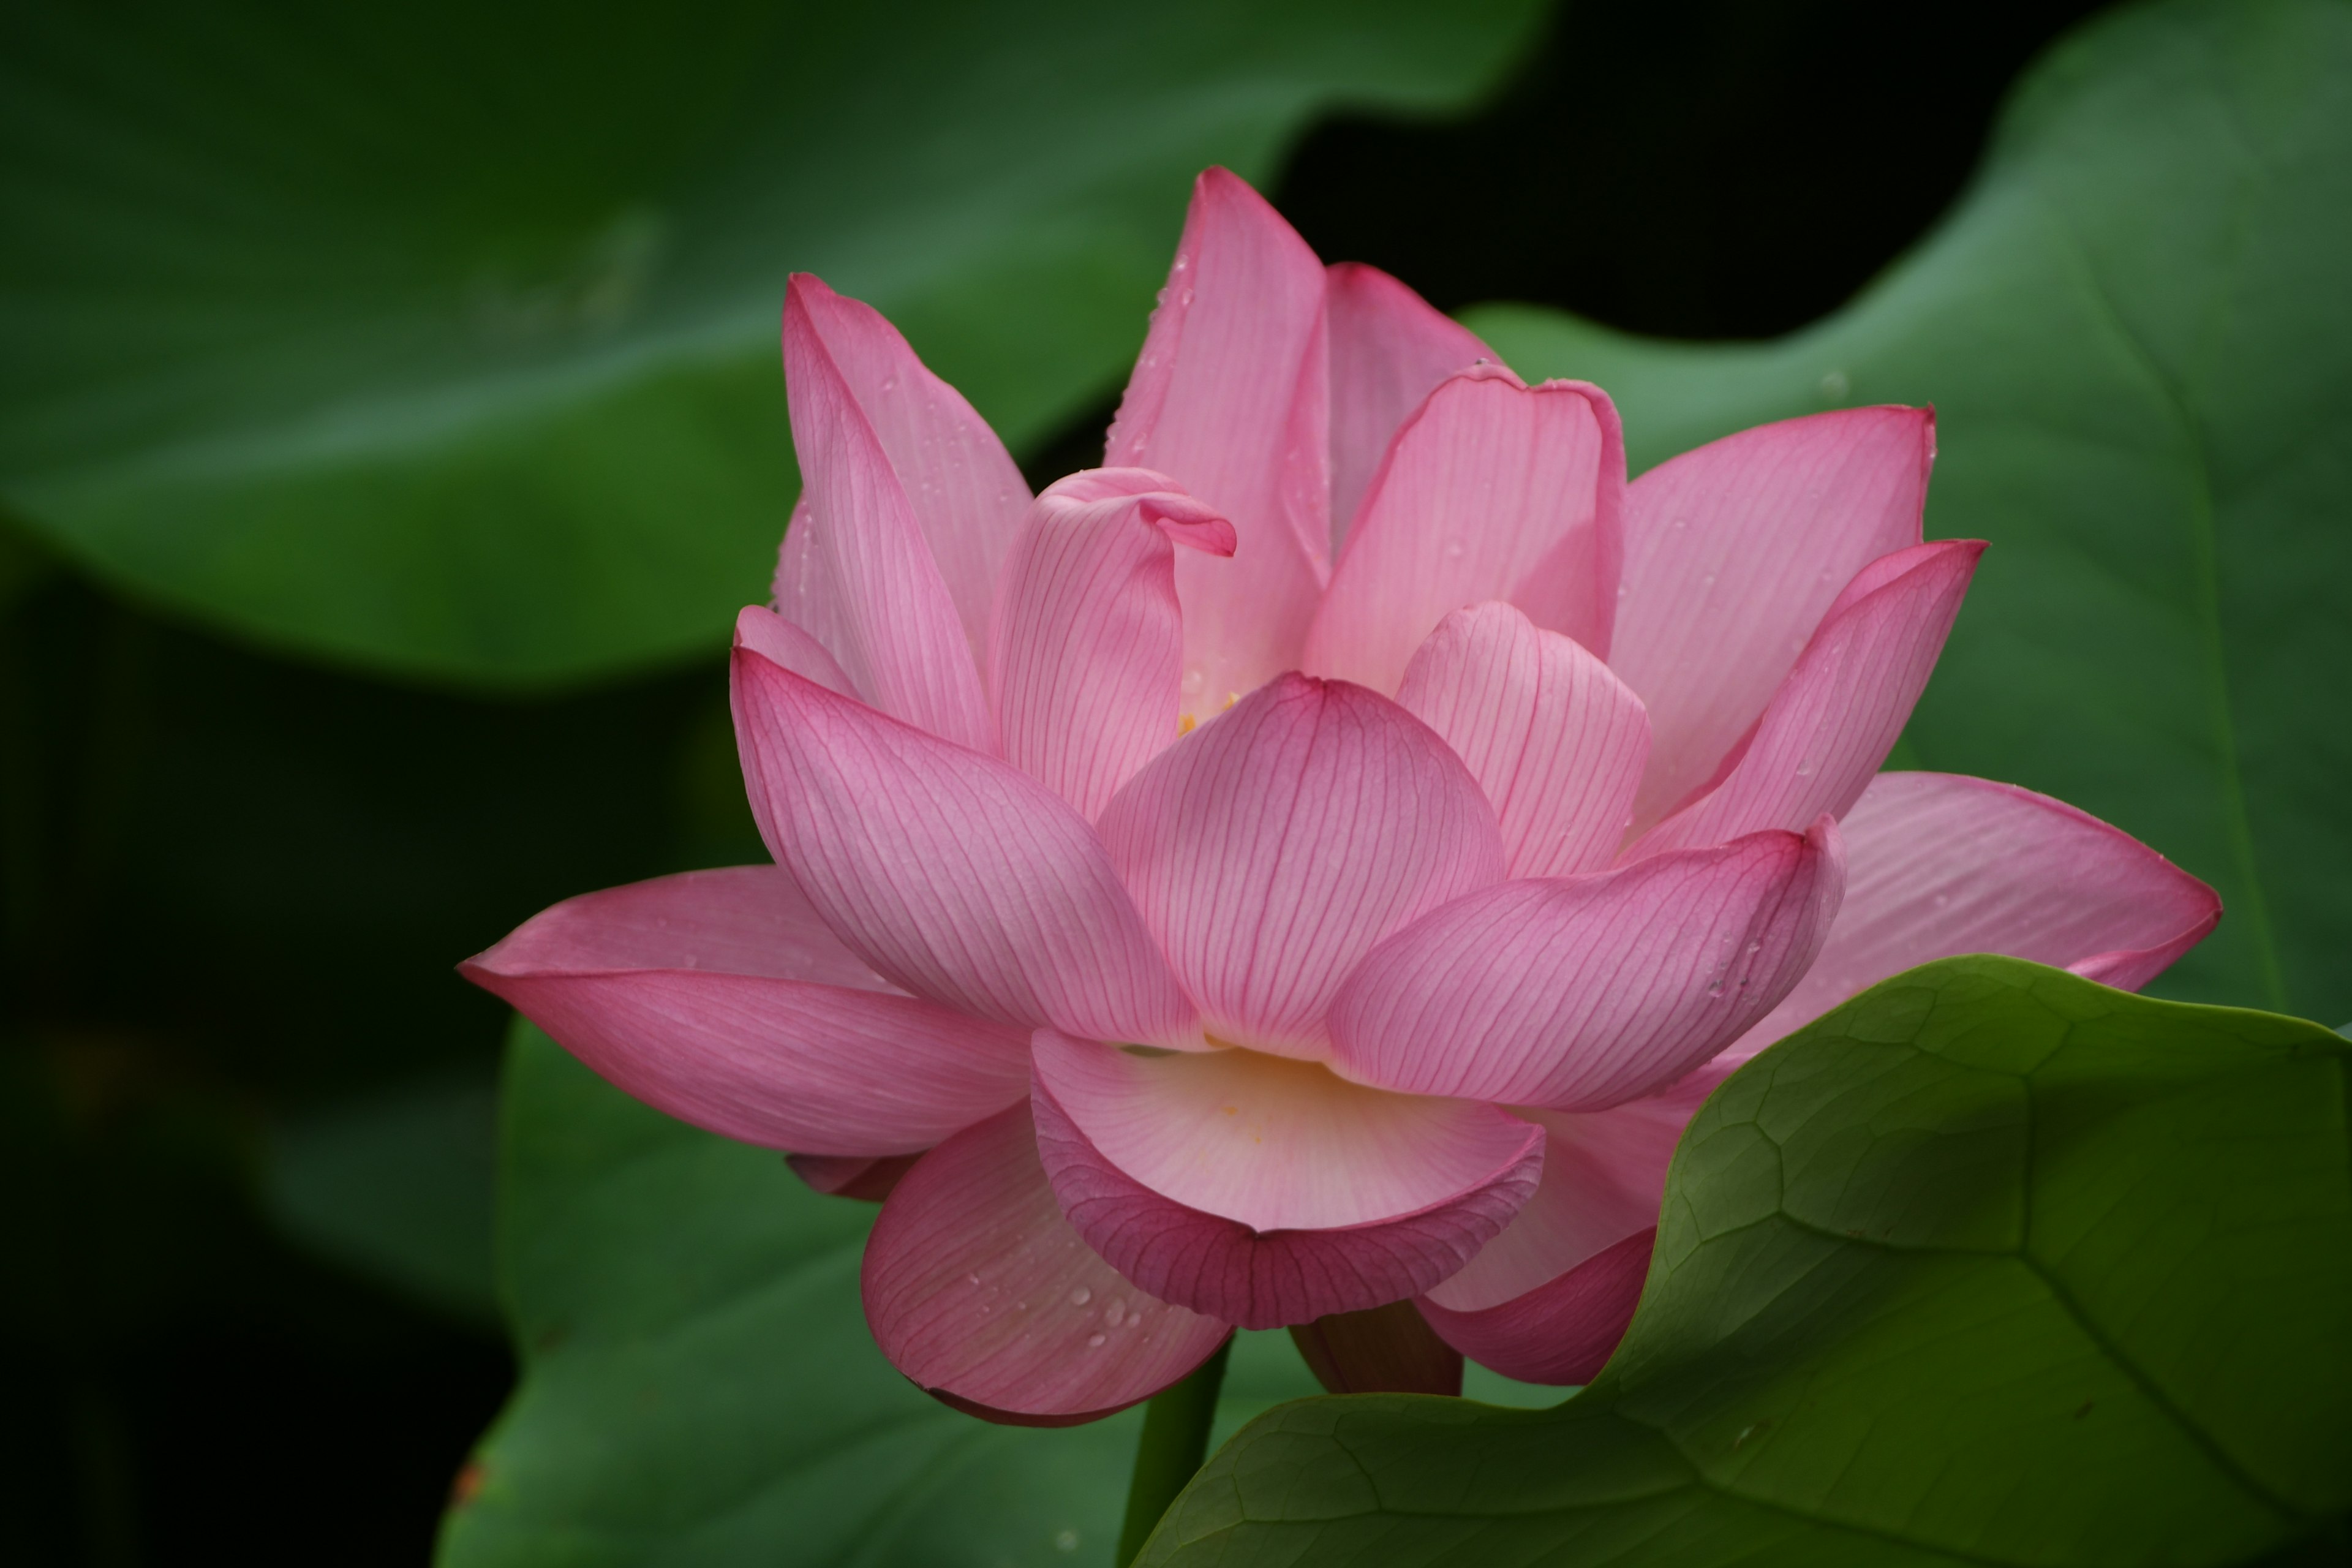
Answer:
(1184, 722)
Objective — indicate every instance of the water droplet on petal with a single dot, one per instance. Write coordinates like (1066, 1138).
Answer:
(1093, 1342)
(1081, 1296)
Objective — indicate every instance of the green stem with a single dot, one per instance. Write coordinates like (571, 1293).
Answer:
(1175, 1440)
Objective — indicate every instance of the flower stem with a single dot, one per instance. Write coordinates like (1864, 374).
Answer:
(1175, 1440)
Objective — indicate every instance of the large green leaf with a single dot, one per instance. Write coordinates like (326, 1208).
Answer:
(2137, 333)
(699, 1387)
(439, 338)
(1989, 1266)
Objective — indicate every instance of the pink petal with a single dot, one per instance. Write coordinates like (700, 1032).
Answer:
(1388, 351)
(1733, 552)
(1388, 1349)
(1230, 397)
(1939, 864)
(1089, 647)
(967, 495)
(957, 877)
(1274, 1143)
(1270, 849)
(1605, 1176)
(978, 1289)
(1264, 1279)
(900, 637)
(1555, 740)
(1562, 1332)
(1842, 708)
(1489, 481)
(779, 641)
(1582, 992)
(719, 998)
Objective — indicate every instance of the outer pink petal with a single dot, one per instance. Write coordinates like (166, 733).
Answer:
(1842, 708)
(900, 637)
(1561, 1333)
(1264, 1279)
(1604, 1175)
(1489, 480)
(1939, 864)
(1389, 349)
(1230, 397)
(718, 996)
(1555, 740)
(1733, 552)
(978, 1289)
(967, 495)
(1582, 992)
(1270, 849)
(1276, 1143)
(955, 876)
(1089, 646)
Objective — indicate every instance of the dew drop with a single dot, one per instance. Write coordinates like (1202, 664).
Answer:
(1081, 1296)
(1115, 1313)
(1093, 1342)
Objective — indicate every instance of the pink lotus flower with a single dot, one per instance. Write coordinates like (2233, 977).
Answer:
(1319, 859)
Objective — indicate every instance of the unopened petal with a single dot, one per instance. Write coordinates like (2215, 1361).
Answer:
(1229, 397)
(1089, 644)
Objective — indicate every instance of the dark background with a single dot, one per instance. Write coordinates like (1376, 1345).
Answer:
(233, 887)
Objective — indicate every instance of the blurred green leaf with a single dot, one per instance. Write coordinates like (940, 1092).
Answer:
(2137, 331)
(398, 1186)
(1991, 1265)
(440, 338)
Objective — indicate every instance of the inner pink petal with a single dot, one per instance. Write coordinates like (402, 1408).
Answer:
(1273, 1143)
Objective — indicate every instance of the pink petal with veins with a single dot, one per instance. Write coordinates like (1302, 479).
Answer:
(1089, 646)
(1489, 481)
(1276, 1143)
(720, 999)
(1389, 349)
(955, 876)
(1264, 1279)
(967, 496)
(1838, 712)
(1229, 399)
(1734, 550)
(979, 1291)
(1270, 849)
(900, 638)
(1555, 740)
(1582, 993)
